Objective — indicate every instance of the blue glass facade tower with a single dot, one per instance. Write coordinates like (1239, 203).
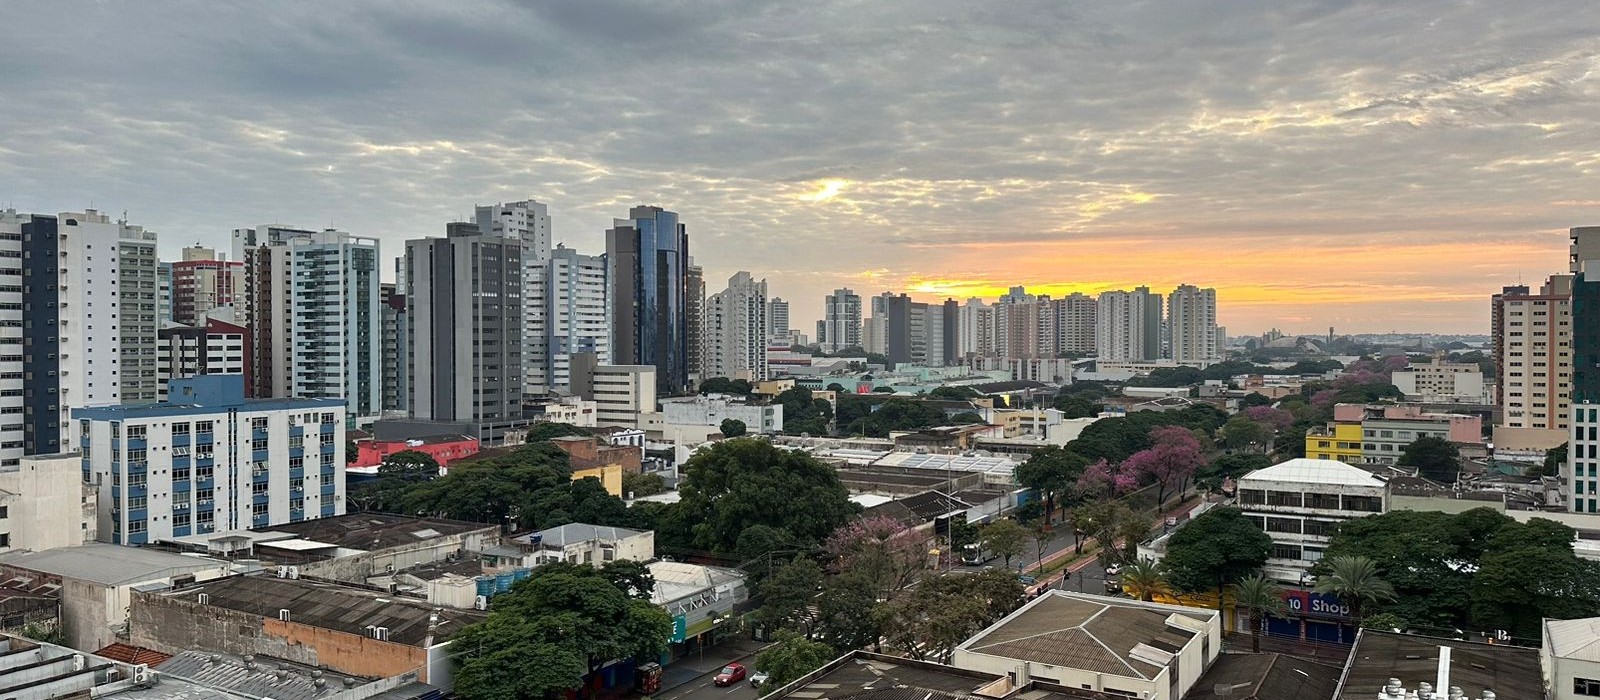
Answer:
(648, 254)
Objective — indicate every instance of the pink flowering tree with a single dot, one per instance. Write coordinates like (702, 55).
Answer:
(1103, 481)
(882, 549)
(1274, 418)
(1172, 458)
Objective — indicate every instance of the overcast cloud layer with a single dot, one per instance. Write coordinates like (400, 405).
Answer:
(1369, 165)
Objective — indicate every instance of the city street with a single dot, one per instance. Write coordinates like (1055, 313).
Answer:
(689, 678)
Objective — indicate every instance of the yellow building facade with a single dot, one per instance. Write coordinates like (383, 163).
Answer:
(1339, 441)
(610, 476)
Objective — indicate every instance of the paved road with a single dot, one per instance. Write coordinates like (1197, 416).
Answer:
(689, 678)
(702, 689)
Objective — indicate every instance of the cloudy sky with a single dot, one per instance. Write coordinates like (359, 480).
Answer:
(1367, 165)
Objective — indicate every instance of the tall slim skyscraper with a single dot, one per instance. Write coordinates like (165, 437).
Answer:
(577, 317)
(648, 253)
(694, 316)
(464, 300)
(1536, 349)
(1155, 327)
(1583, 445)
(528, 223)
(396, 347)
(976, 336)
(1192, 324)
(314, 315)
(80, 294)
(736, 330)
(1122, 327)
(841, 321)
(778, 321)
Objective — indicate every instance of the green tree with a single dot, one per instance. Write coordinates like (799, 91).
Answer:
(732, 427)
(1003, 538)
(942, 611)
(1387, 622)
(724, 385)
(790, 658)
(1434, 457)
(1241, 433)
(954, 393)
(571, 618)
(1428, 557)
(1261, 597)
(1115, 527)
(1229, 466)
(642, 484)
(802, 413)
(1215, 550)
(1145, 579)
(734, 485)
(788, 594)
(549, 430)
(847, 615)
(1355, 581)
(1555, 460)
(1052, 471)
(1530, 573)
(352, 452)
(409, 465)
(1076, 406)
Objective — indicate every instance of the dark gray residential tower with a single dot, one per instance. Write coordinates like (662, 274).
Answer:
(464, 306)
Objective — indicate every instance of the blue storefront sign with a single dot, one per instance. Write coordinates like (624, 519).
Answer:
(680, 628)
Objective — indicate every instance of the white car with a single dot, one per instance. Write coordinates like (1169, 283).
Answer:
(1114, 570)
(759, 679)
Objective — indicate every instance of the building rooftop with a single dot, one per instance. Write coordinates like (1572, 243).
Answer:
(576, 533)
(1265, 677)
(678, 580)
(1574, 639)
(109, 564)
(1305, 470)
(369, 531)
(329, 606)
(960, 463)
(866, 676)
(1511, 672)
(1092, 633)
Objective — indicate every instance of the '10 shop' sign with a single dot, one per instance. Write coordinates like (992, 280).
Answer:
(1309, 603)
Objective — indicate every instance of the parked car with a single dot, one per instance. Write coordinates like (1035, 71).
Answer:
(730, 674)
(759, 678)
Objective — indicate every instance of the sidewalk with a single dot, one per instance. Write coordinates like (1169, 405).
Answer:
(689, 668)
(1089, 554)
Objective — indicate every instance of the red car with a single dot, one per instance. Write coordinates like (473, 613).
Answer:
(732, 673)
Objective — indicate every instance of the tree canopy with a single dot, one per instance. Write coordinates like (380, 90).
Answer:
(790, 657)
(562, 623)
(732, 428)
(531, 484)
(1475, 570)
(1434, 457)
(735, 485)
(1053, 472)
(1219, 548)
(804, 414)
(724, 385)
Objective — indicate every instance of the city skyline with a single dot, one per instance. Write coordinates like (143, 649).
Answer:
(1294, 157)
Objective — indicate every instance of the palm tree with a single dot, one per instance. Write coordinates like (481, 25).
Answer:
(1262, 597)
(1354, 580)
(1145, 579)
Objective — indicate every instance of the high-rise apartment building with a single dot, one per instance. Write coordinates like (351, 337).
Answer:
(212, 347)
(1075, 316)
(736, 330)
(313, 310)
(950, 331)
(694, 315)
(913, 331)
(464, 328)
(210, 460)
(1121, 326)
(79, 300)
(396, 348)
(1024, 326)
(1497, 333)
(1156, 342)
(778, 321)
(975, 333)
(1536, 348)
(840, 326)
(528, 223)
(577, 317)
(203, 282)
(1192, 324)
(648, 254)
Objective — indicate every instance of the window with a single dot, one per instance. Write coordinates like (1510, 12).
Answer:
(1283, 498)
(1252, 497)
(136, 432)
(1285, 551)
(259, 423)
(1586, 688)
(1289, 525)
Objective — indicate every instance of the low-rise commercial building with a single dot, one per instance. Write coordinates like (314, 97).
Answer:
(1379, 435)
(1438, 381)
(45, 504)
(711, 410)
(579, 543)
(97, 581)
(350, 630)
(700, 599)
(1116, 646)
(1300, 503)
